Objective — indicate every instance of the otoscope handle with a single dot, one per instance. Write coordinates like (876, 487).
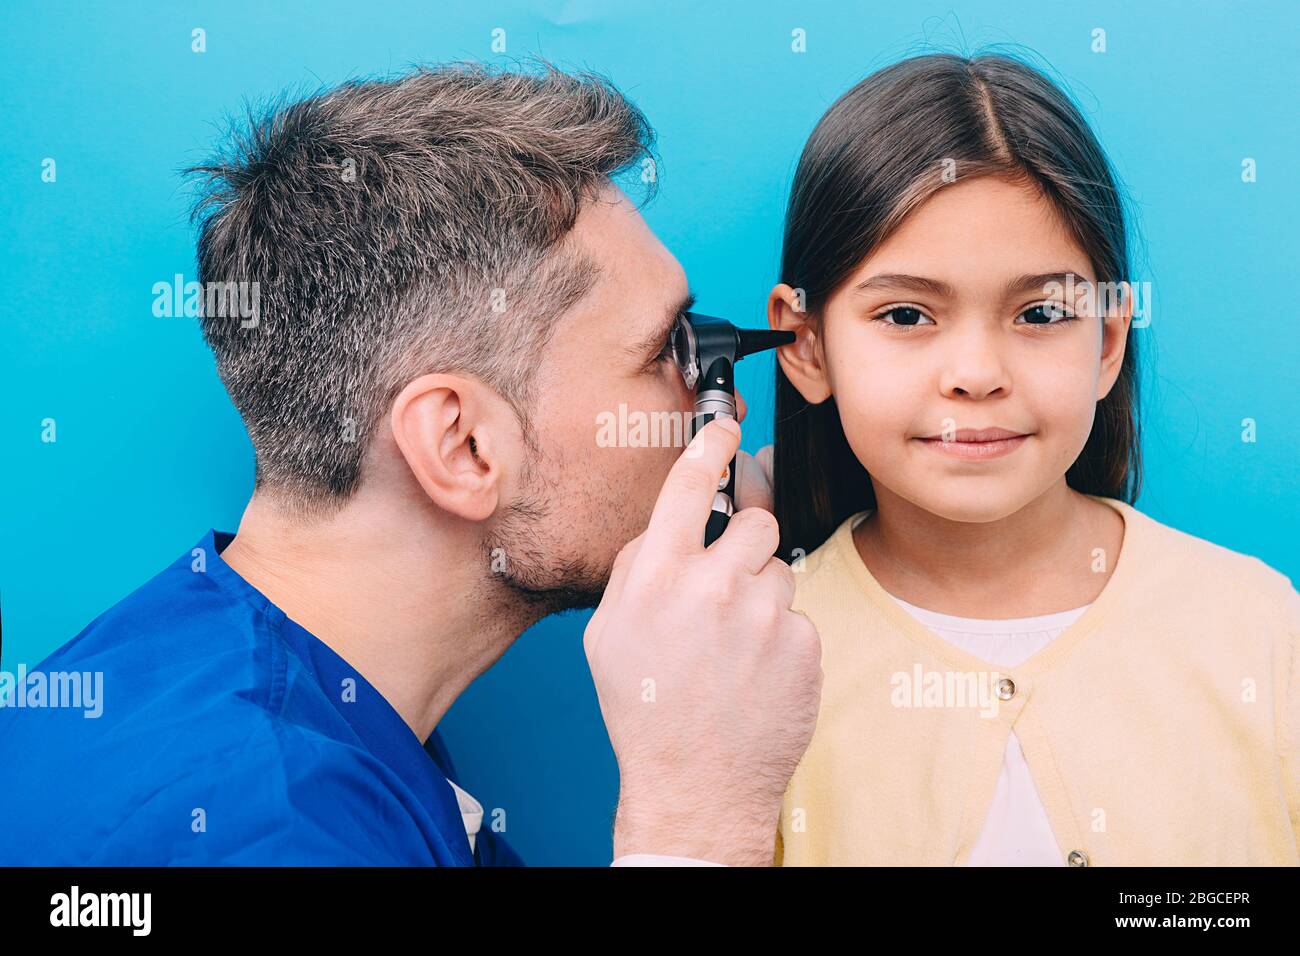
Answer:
(718, 521)
(725, 496)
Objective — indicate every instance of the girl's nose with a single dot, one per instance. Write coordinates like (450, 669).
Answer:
(975, 368)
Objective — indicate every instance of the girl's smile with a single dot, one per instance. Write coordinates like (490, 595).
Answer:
(977, 449)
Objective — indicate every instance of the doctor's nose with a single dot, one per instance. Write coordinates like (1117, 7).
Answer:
(741, 407)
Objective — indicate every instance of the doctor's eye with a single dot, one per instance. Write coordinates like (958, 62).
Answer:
(666, 353)
(903, 316)
(1047, 313)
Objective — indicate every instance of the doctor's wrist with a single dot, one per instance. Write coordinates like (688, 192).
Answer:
(648, 825)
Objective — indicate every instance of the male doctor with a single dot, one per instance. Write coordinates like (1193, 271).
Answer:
(451, 291)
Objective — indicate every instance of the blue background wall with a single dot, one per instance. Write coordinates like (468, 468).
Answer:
(150, 452)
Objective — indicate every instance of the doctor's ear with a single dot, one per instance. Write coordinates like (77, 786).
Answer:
(803, 361)
(457, 437)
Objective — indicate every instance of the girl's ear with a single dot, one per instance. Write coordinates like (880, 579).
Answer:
(1117, 316)
(802, 361)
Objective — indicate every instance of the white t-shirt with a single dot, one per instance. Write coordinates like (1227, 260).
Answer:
(1016, 831)
(471, 813)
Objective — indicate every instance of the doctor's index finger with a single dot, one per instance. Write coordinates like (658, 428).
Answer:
(684, 502)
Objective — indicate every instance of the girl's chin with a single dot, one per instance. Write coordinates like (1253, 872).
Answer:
(971, 500)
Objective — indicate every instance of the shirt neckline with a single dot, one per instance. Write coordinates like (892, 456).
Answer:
(376, 722)
(1000, 626)
(1128, 565)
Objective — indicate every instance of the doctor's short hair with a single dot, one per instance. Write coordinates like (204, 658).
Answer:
(395, 228)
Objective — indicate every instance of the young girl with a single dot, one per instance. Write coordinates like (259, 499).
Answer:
(1020, 667)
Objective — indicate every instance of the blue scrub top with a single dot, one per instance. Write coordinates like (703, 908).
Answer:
(228, 735)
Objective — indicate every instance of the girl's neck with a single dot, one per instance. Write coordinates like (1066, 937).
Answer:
(1038, 560)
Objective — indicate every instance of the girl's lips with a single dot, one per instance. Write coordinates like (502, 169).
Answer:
(975, 450)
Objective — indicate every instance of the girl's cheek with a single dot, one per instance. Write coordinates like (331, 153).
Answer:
(1062, 395)
(878, 410)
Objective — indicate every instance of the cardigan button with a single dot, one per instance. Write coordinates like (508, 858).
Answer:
(1006, 688)
(1077, 858)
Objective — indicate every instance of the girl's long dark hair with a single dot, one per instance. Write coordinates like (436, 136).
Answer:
(881, 150)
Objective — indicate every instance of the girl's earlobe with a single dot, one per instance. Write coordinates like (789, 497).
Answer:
(801, 362)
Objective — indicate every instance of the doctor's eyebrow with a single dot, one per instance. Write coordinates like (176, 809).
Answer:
(891, 281)
(650, 346)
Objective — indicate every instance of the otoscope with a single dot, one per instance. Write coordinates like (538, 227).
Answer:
(706, 350)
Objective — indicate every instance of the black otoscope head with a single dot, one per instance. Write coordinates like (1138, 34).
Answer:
(707, 348)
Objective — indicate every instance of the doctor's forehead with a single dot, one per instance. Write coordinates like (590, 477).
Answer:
(639, 280)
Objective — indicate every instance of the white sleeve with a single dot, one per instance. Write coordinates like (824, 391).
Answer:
(655, 859)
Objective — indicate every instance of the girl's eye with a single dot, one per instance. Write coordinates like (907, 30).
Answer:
(1047, 313)
(904, 315)
(907, 316)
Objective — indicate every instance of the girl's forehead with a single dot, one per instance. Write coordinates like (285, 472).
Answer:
(964, 212)
(981, 234)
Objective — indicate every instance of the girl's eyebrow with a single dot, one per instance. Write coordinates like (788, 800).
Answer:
(893, 281)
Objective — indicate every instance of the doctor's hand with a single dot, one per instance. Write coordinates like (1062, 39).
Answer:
(709, 684)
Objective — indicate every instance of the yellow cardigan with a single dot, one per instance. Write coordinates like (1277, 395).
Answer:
(1161, 728)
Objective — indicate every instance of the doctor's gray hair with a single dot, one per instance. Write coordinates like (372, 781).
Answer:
(396, 228)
